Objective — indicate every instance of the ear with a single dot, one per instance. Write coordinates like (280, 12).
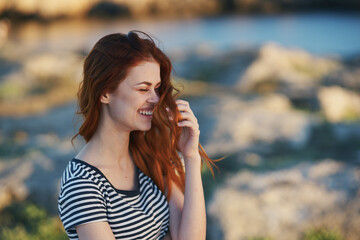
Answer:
(105, 98)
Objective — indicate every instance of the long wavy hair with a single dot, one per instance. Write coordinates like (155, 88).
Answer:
(104, 68)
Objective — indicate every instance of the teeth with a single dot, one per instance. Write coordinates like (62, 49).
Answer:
(148, 113)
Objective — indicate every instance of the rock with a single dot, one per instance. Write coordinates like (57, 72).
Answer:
(324, 169)
(54, 65)
(207, 64)
(35, 175)
(240, 124)
(59, 122)
(39, 148)
(286, 70)
(348, 77)
(19, 179)
(40, 68)
(12, 177)
(339, 104)
(274, 102)
(285, 203)
(44, 81)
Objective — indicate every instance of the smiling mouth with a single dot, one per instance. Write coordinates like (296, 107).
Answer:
(146, 112)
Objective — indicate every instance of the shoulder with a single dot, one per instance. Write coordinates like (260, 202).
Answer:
(78, 180)
(78, 185)
(78, 171)
(75, 169)
(80, 198)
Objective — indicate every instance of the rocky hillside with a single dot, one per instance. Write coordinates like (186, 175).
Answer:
(289, 122)
(285, 203)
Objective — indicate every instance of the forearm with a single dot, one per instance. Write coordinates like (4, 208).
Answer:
(193, 218)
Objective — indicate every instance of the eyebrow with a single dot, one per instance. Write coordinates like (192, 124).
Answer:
(147, 83)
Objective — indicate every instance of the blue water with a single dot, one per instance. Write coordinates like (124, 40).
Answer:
(318, 33)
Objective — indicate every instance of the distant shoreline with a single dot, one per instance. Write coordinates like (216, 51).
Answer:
(16, 12)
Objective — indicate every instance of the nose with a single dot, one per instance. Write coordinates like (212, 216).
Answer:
(154, 97)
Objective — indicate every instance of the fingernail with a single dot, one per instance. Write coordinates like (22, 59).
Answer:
(167, 109)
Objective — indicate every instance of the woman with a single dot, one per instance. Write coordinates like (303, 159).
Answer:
(129, 182)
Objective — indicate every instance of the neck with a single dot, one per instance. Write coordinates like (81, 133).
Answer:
(108, 147)
(112, 146)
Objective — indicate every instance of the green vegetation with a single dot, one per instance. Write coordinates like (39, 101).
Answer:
(313, 234)
(17, 99)
(11, 90)
(259, 238)
(322, 234)
(351, 116)
(26, 221)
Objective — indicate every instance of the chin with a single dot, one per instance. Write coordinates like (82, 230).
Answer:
(144, 128)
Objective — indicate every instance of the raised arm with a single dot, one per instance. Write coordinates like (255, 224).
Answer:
(187, 211)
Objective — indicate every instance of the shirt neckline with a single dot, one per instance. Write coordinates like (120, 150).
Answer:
(128, 193)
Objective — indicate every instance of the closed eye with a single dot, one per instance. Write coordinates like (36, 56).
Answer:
(145, 90)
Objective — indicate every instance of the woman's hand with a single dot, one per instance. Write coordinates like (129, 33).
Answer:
(189, 138)
(187, 209)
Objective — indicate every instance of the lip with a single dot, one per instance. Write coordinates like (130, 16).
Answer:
(146, 109)
(146, 116)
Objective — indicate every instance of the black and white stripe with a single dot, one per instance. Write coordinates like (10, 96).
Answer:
(87, 196)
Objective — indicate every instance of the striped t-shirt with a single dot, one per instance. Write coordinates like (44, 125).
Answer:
(87, 196)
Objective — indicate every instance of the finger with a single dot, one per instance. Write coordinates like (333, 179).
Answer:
(182, 101)
(187, 123)
(192, 125)
(184, 107)
(188, 116)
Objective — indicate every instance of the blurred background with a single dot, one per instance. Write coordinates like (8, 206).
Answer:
(274, 84)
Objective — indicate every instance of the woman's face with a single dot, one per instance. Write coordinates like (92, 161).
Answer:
(130, 107)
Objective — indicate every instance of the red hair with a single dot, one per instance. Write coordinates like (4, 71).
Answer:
(104, 68)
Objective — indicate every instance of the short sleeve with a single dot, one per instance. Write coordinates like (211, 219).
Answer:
(80, 201)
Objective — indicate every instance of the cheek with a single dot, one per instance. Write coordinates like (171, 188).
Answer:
(116, 111)
(127, 106)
